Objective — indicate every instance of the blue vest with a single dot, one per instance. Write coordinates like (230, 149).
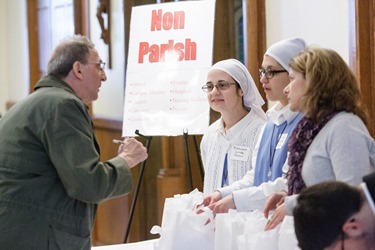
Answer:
(271, 156)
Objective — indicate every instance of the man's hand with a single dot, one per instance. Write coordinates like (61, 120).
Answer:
(132, 151)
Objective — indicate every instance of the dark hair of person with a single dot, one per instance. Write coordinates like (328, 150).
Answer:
(331, 85)
(322, 210)
(71, 50)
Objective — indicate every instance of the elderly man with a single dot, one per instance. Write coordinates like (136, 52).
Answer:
(51, 179)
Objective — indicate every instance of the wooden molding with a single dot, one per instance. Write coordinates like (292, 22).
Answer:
(107, 123)
(33, 31)
(362, 52)
(255, 33)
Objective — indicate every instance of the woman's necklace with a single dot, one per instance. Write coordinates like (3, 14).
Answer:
(273, 151)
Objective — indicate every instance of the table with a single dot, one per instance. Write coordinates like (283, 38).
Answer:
(142, 245)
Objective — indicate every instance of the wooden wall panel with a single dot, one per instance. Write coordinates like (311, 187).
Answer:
(112, 215)
(255, 33)
(362, 51)
(81, 17)
(33, 31)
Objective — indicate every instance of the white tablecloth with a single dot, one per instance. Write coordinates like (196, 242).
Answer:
(142, 245)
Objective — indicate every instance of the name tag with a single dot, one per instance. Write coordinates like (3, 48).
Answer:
(281, 141)
(240, 153)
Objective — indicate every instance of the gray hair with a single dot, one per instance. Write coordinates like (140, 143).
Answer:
(68, 52)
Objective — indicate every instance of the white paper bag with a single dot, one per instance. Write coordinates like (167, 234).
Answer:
(182, 228)
(287, 236)
(254, 237)
(244, 231)
(227, 226)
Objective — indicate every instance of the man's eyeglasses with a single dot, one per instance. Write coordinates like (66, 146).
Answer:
(269, 73)
(221, 85)
(100, 64)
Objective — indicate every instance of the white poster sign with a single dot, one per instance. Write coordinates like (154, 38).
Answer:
(170, 53)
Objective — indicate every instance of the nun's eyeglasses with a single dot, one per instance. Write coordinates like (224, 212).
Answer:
(221, 85)
(269, 73)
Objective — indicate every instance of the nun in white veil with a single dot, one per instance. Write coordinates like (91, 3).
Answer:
(228, 143)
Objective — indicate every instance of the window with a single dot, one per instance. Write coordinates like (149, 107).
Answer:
(56, 21)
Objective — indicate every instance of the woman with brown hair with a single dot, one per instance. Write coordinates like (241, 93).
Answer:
(331, 142)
